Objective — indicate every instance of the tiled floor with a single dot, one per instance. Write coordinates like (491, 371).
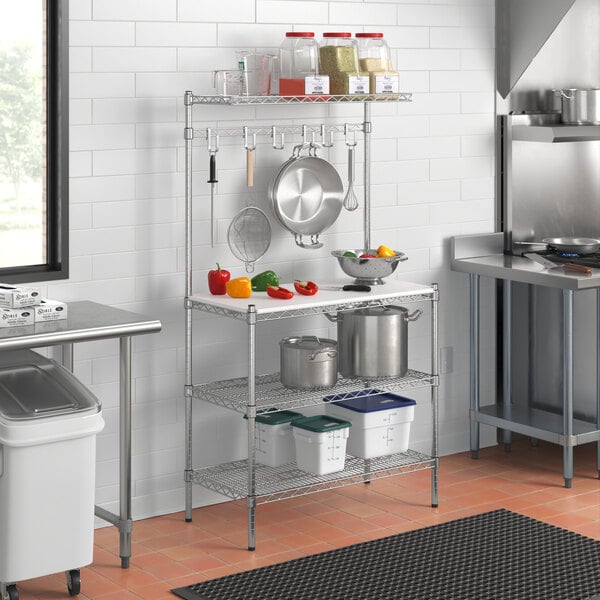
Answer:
(167, 552)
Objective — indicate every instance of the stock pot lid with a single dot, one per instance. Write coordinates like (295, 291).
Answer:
(309, 342)
(380, 311)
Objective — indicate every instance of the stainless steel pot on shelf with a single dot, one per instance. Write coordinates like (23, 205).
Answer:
(308, 362)
(373, 342)
(580, 106)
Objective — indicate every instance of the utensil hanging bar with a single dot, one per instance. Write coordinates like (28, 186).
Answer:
(313, 130)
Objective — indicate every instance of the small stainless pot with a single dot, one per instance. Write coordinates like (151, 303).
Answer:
(308, 362)
(580, 107)
(373, 342)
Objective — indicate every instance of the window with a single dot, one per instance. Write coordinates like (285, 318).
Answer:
(34, 140)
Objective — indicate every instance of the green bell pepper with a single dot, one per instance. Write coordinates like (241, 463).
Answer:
(262, 280)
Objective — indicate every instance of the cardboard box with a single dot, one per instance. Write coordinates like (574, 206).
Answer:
(49, 310)
(15, 317)
(17, 297)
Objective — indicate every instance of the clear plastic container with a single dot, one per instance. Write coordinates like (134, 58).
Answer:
(374, 57)
(298, 59)
(338, 56)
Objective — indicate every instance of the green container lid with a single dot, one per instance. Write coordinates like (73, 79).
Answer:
(321, 423)
(277, 417)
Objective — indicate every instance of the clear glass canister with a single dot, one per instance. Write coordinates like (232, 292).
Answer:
(298, 58)
(374, 57)
(338, 55)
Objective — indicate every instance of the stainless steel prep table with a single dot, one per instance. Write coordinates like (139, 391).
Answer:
(88, 321)
(483, 255)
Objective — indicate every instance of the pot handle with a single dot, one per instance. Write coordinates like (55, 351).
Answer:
(332, 318)
(329, 353)
(314, 242)
(415, 315)
(563, 94)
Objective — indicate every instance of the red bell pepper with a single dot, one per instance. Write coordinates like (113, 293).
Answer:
(306, 288)
(281, 293)
(217, 280)
(367, 256)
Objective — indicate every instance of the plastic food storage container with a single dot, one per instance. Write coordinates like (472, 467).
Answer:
(380, 422)
(298, 59)
(274, 440)
(338, 57)
(48, 427)
(374, 57)
(321, 443)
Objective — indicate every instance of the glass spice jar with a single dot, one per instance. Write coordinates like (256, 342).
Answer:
(298, 59)
(338, 55)
(374, 57)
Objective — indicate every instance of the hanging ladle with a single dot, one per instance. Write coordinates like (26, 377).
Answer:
(350, 202)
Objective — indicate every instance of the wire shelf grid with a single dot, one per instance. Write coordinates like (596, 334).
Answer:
(313, 99)
(287, 481)
(270, 392)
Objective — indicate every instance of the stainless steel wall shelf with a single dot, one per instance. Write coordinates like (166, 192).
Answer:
(551, 134)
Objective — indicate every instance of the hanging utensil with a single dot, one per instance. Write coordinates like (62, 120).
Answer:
(250, 147)
(249, 236)
(212, 179)
(350, 202)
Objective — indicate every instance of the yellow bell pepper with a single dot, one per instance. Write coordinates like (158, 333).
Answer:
(240, 287)
(384, 251)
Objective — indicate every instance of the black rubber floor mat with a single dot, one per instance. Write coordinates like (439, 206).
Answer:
(498, 555)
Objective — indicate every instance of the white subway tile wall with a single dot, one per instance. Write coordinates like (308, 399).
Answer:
(131, 62)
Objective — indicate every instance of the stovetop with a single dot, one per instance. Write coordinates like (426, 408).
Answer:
(589, 260)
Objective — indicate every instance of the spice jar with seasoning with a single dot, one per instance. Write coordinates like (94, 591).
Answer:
(338, 56)
(299, 65)
(374, 57)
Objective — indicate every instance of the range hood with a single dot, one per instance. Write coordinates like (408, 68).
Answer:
(522, 28)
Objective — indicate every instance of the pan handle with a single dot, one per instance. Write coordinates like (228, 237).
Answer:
(314, 242)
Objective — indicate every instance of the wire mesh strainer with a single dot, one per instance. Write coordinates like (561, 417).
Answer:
(249, 236)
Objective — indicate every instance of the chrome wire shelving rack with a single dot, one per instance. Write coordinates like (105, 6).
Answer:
(247, 395)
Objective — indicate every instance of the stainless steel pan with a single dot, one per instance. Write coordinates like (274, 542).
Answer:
(307, 195)
(578, 245)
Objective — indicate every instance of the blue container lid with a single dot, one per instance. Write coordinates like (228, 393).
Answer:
(365, 401)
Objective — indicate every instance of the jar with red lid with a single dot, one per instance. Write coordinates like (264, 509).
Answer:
(374, 56)
(298, 59)
(338, 56)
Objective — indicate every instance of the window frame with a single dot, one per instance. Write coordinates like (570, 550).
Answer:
(57, 153)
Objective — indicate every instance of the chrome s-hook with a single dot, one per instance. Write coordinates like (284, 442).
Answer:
(247, 144)
(349, 139)
(212, 148)
(329, 143)
(277, 145)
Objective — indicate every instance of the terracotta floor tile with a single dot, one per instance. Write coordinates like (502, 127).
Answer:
(168, 552)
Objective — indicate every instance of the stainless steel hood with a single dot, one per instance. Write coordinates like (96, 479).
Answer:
(522, 28)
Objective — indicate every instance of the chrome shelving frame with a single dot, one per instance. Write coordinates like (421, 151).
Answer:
(259, 483)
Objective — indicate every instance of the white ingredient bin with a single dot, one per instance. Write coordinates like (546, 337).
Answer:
(380, 421)
(274, 440)
(320, 443)
(48, 427)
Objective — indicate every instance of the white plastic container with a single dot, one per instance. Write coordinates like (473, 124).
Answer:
(380, 423)
(48, 427)
(274, 439)
(321, 443)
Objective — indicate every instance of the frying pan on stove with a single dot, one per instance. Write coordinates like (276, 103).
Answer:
(575, 245)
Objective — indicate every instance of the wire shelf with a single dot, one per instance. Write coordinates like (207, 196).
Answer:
(287, 481)
(233, 100)
(270, 392)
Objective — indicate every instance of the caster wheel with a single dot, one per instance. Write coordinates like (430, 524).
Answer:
(73, 582)
(12, 593)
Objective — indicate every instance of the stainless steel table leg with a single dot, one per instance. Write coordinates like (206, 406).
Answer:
(434, 396)
(251, 415)
(67, 356)
(506, 360)
(125, 451)
(568, 386)
(474, 362)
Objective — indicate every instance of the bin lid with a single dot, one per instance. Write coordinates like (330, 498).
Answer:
(366, 401)
(32, 386)
(321, 423)
(278, 417)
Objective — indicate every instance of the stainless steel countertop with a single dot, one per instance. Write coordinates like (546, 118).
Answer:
(86, 321)
(482, 255)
